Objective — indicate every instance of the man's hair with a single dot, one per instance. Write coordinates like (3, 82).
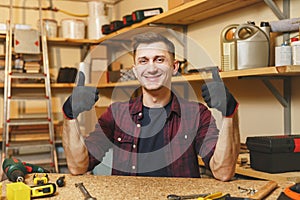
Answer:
(151, 37)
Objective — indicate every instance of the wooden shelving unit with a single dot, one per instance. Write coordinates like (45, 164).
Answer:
(291, 70)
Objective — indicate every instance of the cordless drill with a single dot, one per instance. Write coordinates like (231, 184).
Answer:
(16, 170)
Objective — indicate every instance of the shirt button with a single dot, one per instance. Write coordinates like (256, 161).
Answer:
(119, 139)
(185, 136)
(140, 114)
(134, 146)
(133, 167)
(138, 125)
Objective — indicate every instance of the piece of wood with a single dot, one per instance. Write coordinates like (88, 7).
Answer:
(264, 191)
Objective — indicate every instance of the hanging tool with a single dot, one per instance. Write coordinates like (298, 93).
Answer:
(15, 170)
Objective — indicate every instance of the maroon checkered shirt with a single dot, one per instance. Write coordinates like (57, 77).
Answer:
(190, 130)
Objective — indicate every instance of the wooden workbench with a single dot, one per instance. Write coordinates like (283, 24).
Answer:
(131, 188)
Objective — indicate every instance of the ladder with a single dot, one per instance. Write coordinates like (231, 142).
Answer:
(39, 151)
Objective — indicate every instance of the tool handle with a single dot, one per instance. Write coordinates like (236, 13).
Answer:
(264, 191)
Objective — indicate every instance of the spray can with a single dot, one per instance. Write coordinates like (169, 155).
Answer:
(228, 48)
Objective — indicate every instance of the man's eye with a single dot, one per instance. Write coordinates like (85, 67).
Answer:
(160, 60)
(142, 61)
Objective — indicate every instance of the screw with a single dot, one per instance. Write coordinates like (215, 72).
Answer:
(84, 191)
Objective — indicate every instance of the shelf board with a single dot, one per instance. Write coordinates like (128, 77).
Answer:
(291, 70)
(40, 85)
(185, 14)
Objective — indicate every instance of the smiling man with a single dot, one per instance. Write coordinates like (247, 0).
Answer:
(156, 133)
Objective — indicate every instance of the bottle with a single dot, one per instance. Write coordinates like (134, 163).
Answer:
(228, 48)
(252, 47)
(265, 26)
(19, 63)
(295, 43)
(283, 54)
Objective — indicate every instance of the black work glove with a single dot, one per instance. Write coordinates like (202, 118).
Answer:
(216, 95)
(82, 99)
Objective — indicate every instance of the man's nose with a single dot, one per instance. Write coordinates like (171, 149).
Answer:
(152, 66)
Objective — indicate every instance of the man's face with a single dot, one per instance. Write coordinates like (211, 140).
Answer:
(154, 66)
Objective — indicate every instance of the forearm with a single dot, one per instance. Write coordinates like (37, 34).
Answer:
(223, 161)
(74, 147)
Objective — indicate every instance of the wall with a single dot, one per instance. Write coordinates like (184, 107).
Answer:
(260, 113)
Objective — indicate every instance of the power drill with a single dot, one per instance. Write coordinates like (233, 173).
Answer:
(16, 170)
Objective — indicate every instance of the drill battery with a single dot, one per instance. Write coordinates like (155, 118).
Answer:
(44, 190)
(140, 15)
(116, 25)
(127, 20)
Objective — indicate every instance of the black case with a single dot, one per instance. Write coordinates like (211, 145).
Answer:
(274, 154)
(66, 75)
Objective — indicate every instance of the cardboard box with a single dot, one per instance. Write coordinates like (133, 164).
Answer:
(175, 3)
(274, 154)
(99, 77)
(98, 51)
(115, 66)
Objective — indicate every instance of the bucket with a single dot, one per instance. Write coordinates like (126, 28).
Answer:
(252, 47)
(50, 26)
(228, 48)
(95, 8)
(95, 25)
(73, 28)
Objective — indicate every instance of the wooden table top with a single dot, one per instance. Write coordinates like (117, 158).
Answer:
(126, 187)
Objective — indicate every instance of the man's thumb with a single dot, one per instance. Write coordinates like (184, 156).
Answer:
(81, 79)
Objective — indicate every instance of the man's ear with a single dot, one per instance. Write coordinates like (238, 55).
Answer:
(134, 70)
(176, 67)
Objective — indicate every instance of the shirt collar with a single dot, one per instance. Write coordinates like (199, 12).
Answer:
(136, 105)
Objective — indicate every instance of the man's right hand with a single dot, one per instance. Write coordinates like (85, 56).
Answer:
(82, 99)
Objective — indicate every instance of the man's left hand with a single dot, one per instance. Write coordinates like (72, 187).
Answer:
(216, 95)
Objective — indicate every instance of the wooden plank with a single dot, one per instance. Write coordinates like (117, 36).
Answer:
(198, 10)
(245, 170)
(293, 70)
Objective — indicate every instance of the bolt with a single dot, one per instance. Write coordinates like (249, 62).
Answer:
(84, 191)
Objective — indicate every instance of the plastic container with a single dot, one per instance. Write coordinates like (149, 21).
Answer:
(274, 154)
(265, 27)
(283, 55)
(17, 191)
(50, 26)
(73, 28)
(252, 47)
(295, 52)
(228, 48)
(95, 25)
(96, 8)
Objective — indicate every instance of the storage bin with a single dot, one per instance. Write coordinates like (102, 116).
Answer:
(274, 154)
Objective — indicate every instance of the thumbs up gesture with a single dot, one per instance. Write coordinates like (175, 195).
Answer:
(216, 95)
(82, 99)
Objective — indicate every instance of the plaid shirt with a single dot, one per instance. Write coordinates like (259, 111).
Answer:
(190, 130)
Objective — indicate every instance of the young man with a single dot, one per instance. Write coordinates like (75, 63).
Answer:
(157, 133)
